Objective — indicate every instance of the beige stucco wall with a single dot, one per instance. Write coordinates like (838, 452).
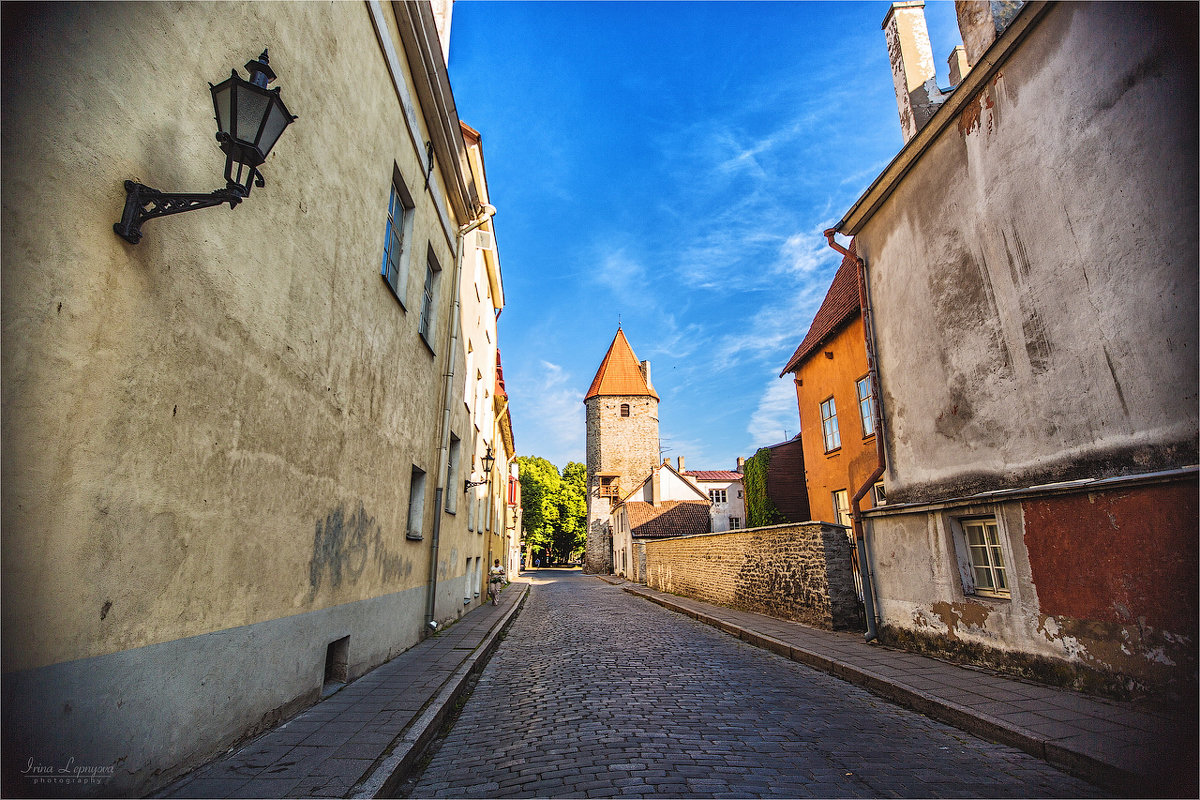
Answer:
(213, 430)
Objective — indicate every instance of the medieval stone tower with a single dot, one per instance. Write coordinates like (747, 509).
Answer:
(622, 443)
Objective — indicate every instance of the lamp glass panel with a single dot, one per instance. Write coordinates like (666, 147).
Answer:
(277, 119)
(221, 94)
(251, 107)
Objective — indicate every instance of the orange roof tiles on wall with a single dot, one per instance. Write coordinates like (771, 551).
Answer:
(620, 373)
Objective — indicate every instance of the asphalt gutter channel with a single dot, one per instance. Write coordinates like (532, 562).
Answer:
(1076, 762)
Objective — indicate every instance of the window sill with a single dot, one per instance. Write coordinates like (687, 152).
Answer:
(995, 598)
(835, 451)
(868, 437)
(428, 346)
(393, 292)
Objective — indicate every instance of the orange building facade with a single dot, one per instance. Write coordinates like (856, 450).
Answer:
(833, 392)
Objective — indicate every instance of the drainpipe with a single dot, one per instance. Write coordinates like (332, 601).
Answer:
(485, 213)
(860, 539)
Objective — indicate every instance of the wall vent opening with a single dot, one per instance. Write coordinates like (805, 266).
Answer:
(337, 665)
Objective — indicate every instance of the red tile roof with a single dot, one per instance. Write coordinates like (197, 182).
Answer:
(670, 518)
(713, 475)
(620, 372)
(839, 306)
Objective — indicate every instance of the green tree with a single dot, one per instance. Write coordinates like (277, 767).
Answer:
(572, 511)
(553, 506)
(539, 508)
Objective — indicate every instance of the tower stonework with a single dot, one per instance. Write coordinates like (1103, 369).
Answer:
(622, 443)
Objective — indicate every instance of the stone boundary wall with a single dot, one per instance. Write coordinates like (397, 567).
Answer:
(798, 571)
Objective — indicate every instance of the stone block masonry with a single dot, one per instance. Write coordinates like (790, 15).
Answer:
(798, 571)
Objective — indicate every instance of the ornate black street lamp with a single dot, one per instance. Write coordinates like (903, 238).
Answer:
(488, 460)
(250, 119)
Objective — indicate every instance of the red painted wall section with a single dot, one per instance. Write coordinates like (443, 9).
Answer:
(1117, 556)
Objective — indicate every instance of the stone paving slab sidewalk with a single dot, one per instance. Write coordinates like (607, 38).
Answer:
(1128, 748)
(362, 740)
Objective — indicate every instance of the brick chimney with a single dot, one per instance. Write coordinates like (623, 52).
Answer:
(980, 22)
(917, 93)
(741, 467)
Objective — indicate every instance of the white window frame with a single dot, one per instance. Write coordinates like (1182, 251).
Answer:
(878, 494)
(866, 405)
(841, 507)
(735, 523)
(982, 544)
(396, 238)
(717, 496)
(829, 425)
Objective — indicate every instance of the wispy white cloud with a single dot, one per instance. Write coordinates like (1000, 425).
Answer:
(550, 395)
(776, 417)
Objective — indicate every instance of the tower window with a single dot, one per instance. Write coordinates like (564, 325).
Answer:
(624, 409)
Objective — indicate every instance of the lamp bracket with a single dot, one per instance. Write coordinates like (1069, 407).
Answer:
(471, 484)
(143, 203)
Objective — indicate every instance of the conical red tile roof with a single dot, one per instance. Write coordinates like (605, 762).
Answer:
(620, 372)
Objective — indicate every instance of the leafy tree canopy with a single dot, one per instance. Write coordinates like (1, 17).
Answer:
(553, 506)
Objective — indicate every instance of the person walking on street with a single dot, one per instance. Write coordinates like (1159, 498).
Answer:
(495, 581)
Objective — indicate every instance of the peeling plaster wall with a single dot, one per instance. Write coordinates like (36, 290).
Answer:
(1103, 587)
(1034, 285)
(207, 436)
(1038, 262)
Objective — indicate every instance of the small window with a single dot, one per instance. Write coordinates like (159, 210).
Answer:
(829, 426)
(396, 236)
(986, 556)
(841, 507)
(716, 495)
(429, 300)
(624, 409)
(416, 504)
(735, 523)
(452, 474)
(866, 406)
(879, 495)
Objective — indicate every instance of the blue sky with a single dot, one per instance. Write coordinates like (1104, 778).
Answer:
(672, 164)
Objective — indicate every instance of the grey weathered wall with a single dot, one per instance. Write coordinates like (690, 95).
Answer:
(799, 572)
(1039, 264)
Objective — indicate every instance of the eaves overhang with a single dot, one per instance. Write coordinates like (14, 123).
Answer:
(427, 65)
(989, 64)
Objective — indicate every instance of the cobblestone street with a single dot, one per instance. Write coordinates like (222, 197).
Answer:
(596, 693)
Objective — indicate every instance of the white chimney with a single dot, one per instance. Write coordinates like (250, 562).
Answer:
(741, 467)
(959, 65)
(681, 464)
(913, 74)
(645, 366)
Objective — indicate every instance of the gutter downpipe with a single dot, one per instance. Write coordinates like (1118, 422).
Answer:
(860, 538)
(486, 212)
